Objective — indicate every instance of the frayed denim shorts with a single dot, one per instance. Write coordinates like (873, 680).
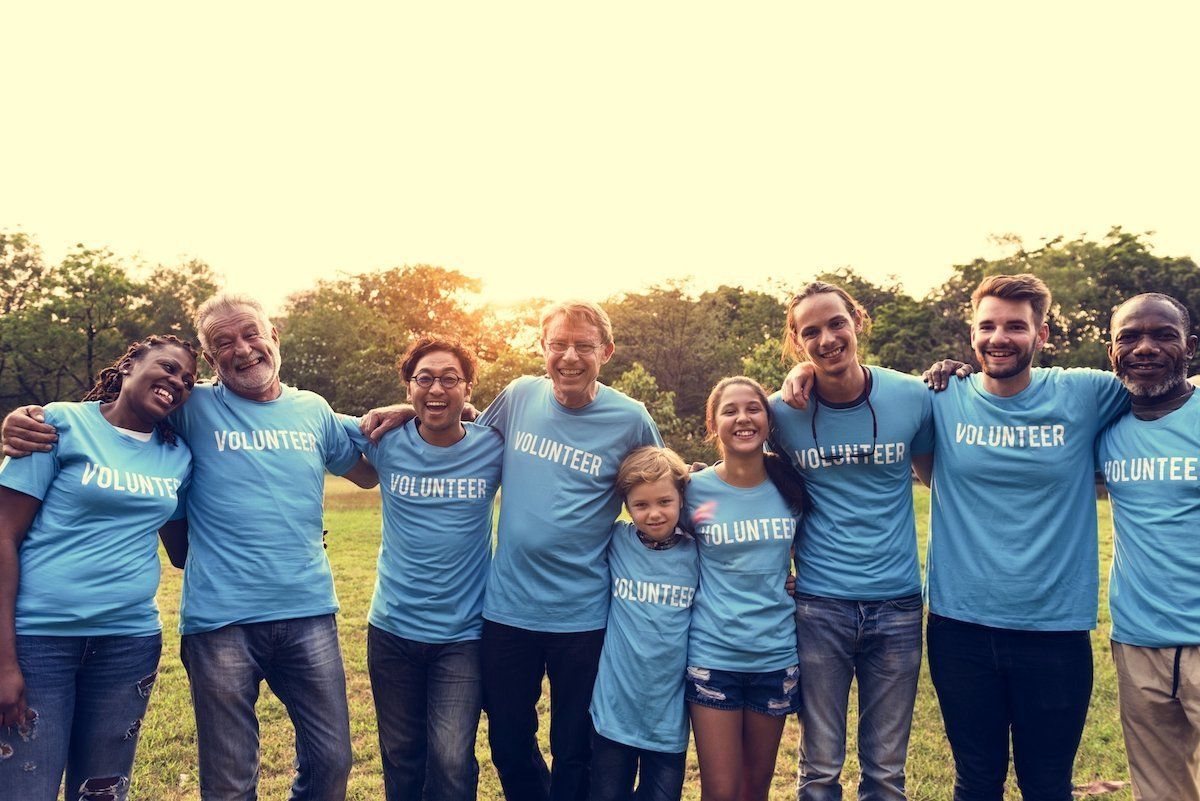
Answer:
(775, 693)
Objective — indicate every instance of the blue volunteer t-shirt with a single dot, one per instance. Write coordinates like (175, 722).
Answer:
(89, 562)
(254, 511)
(638, 697)
(1152, 468)
(1012, 533)
(859, 535)
(742, 615)
(437, 531)
(559, 502)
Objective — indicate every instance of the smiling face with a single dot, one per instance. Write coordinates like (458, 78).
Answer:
(573, 373)
(654, 507)
(1005, 336)
(244, 352)
(157, 382)
(740, 420)
(1150, 347)
(826, 331)
(439, 409)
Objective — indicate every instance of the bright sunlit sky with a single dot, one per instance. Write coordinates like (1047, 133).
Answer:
(564, 148)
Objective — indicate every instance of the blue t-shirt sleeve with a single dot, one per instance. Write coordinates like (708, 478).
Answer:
(923, 441)
(338, 451)
(32, 474)
(496, 414)
(181, 497)
(1112, 399)
(357, 438)
(648, 433)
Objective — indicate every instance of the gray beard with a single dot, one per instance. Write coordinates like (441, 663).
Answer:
(1154, 390)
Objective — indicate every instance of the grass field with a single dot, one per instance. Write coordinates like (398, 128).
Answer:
(166, 767)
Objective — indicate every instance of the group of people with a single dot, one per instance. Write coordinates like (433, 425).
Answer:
(684, 615)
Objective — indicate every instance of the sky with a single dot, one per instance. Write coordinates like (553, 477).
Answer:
(564, 149)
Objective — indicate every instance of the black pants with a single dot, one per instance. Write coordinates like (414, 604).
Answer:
(514, 661)
(990, 681)
(615, 766)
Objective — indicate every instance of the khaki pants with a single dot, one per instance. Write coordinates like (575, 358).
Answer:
(1160, 715)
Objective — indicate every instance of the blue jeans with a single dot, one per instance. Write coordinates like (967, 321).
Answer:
(90, 694)
(615, 765)
(879, 642)
(427, 702)
(301, 661)
(990, 681)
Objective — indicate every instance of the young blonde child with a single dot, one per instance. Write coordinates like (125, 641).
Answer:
(638, 713)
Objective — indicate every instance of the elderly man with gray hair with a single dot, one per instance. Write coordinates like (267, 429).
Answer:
(546, 603)
(258, 599)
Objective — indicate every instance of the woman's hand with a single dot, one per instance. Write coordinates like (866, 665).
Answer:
(13, 709)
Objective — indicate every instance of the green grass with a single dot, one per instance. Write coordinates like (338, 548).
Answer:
(166, 767)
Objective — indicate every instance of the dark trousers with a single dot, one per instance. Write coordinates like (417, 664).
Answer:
(427, 698)
(514, 661)
(615, 766)
(990, 681)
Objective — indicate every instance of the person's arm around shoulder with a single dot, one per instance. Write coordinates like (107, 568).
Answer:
(17, 511)
(362, 473)
(26, 431)
(174, 536)
(937, 377)
(922, 442)
(798, 385)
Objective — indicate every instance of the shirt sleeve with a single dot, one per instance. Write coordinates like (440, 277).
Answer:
(32, 474)
(497, 413)
(648, 431)
(181, 496)
(923, 441)
(1112, 399)
(357, 438)
(339, 452)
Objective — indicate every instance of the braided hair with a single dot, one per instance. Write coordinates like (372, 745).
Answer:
(108, 381)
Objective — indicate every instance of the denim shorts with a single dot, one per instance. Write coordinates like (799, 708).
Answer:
(775, 693)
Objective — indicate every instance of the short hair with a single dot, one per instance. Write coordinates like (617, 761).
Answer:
(649, 464)
(1024, 286)
(1184, 314)
(422, 346)
(579, 311)
(225, 302)
(790, 341)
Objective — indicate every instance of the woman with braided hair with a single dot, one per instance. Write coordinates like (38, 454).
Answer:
(80, 635)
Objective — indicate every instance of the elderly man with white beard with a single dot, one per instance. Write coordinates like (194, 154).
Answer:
(258, 599)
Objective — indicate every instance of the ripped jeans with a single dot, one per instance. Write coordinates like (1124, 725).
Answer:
(90, 694)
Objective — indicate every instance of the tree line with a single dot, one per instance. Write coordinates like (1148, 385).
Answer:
(60, 323)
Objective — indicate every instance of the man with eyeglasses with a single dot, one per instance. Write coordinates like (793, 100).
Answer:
(858, 582)
(546, 603)
(438, 478)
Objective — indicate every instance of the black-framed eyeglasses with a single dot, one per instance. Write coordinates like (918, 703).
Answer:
(848, 452)
(582, 348)
(425, 380)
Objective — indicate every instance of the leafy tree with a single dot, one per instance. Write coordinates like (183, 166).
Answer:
(765, 365)
(22, 275)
